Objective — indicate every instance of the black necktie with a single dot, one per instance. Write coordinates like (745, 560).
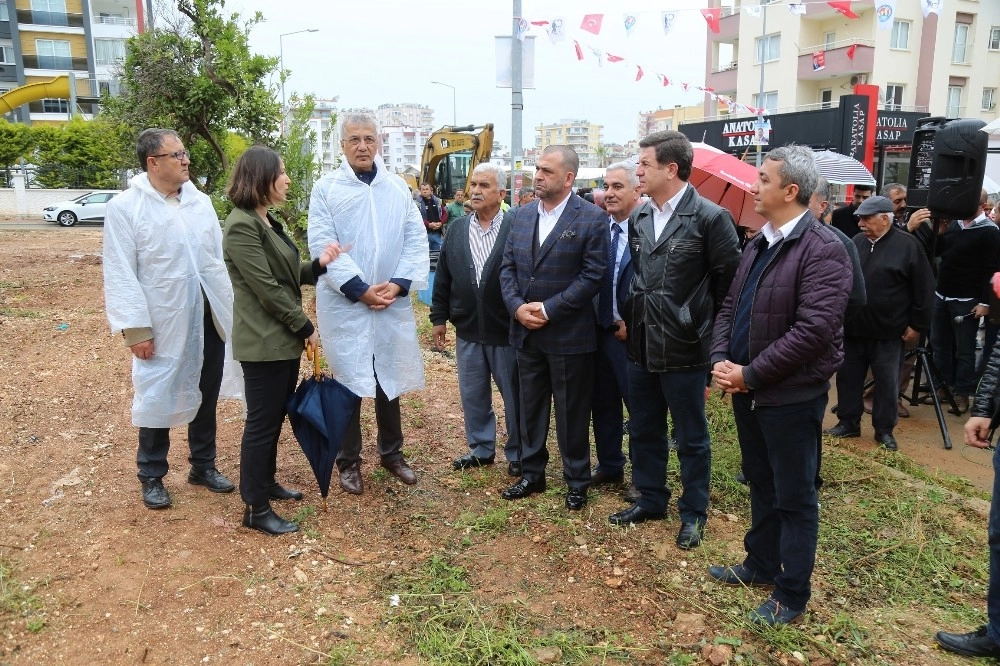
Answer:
(606, 304)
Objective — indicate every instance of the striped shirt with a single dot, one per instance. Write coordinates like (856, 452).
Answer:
(481, 242)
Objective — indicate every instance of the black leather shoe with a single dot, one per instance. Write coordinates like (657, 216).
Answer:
(469, 461)
(887, 441)
(842, 430)
(264, 519)
(278, 492)
(772, 613)
(598, 477)
(211, 479)
(634, 515)
(154, 495)
(514, 468)
(973, 644)
(690, 535)
(523, 488)
(576, 499)
(738, 574)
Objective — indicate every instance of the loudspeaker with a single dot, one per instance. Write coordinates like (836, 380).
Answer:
(957, 169)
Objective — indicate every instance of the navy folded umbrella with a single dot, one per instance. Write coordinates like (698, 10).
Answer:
(319, 412)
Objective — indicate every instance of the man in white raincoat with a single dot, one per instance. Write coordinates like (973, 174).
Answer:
(167, 291)
(362, 304)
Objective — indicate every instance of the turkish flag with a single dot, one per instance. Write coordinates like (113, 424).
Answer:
(579, 51)
(614, 58)
(638, 74)
(851, 51)
(712, 17)
(592, 23)
(666, 81)
(844, 7)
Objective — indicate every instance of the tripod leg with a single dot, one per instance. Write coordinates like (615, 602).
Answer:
(926, 363)
(915, 384)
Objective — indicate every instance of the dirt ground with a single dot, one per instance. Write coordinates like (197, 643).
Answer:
(119, 584)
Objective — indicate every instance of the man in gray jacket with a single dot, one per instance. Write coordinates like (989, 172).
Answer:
(778, 340)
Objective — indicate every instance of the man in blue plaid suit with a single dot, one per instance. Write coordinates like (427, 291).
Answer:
(552, 268)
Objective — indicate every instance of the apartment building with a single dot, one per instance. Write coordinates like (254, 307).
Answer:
(402, 146)
(408, 115)
(584, 137)
(666, 119)
(42, 39)
(326, 146)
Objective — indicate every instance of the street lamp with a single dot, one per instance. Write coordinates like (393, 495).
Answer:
(281, 59)
(454, 115)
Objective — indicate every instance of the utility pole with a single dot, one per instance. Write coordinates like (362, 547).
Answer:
(516, 97)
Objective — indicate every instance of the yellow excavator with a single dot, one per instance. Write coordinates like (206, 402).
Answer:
(450, 155)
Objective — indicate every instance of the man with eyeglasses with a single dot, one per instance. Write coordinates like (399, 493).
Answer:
(167, 291)
(362, 302)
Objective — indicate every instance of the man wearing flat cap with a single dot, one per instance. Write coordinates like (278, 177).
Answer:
(900, 289)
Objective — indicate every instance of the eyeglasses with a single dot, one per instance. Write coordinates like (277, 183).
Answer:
(356, 140)
(177, 155)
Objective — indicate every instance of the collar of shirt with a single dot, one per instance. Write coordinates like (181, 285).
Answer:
(556, 212)
(671, 204)
(888, 229)
(773, 235)
(474, 222)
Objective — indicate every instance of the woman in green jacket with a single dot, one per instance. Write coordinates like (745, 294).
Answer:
(270, 328)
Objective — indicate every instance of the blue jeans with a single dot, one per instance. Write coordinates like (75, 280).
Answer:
(779, 446)
(954, 345)
(993, 594)
(651, 394)
(434, 240)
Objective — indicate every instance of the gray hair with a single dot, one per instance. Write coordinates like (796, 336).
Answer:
(798, 167)
(570, 160)
(497, 171)
(149, 142)
(822, 189)
(629, 168)
(887, 190)
(359, 119)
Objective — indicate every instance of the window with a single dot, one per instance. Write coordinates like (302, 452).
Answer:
(768, 48)
(900, 38)
(109, 51)
(4, 14)
(49, 12)
(55, 106)
(53, 54)
(954, 104)
(963, 49)
(828, 40)
(825, 98)
(989, 95)
(894, 97)
(768, 100)
(994, 38)
(6, 54)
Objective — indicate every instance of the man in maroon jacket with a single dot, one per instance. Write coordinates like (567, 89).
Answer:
(778, 339)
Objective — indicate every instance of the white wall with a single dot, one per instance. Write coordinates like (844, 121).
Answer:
(34, 201)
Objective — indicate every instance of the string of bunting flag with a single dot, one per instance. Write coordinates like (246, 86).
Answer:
(558, 27)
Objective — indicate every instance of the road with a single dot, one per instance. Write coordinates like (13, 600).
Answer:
(42, 225)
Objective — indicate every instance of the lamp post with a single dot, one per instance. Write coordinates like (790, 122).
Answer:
(454, 115)
(281, 59)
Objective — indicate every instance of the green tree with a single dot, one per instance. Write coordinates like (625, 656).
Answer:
(79, 153)
(15, 142)
(197, 76)
(300, 164)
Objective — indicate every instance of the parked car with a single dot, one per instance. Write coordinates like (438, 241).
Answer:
(85, 208)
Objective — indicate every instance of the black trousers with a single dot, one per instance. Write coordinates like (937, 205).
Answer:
(154, 443)
(882, 356)
(390, 431)
(267, 386)
(565, 380)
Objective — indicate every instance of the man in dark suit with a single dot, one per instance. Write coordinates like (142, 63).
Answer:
(621, 195)
(467, 293)
(684, 252)
(552, 267)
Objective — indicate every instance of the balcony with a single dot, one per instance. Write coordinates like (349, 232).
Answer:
(119, 21)
(822, 11)
(27, 16)
(724, 78)
(729, 26)
(837, 63)
(59, 63)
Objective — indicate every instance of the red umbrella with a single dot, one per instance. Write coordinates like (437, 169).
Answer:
(726, 180)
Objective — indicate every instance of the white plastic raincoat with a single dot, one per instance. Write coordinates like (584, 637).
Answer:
(157, 260)
(388, 240)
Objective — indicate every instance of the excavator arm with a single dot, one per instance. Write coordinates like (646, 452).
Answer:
(450, 140)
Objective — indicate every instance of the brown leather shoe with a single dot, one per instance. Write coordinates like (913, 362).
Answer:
(401, 471)
(350, 479)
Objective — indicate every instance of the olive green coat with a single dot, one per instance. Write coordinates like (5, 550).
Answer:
(268, 321)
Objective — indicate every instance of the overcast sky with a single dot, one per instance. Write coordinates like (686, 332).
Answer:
(389, 51)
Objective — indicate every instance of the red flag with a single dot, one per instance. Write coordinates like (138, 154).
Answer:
(539, 23)
(579, 51)
(592, 23)
(666, 81)
(851, 50)
(844, 7)
(712, 17)
(638, 74)
(614, 58)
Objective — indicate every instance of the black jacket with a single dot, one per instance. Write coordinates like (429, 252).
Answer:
(477, 311)
(681, 280)
(985, 403)
(900, 287)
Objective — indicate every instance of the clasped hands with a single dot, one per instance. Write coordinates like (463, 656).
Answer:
(380, 296)
(729, 377)
(530, 315)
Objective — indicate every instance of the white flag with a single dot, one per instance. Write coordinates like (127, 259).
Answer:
(629, 20)
(931, 6)
(885, 14)
(797, 8)
(668, 19)
(752, 10)
(557, 30)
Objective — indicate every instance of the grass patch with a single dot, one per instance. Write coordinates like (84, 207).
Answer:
(22, 313)
(491, 521)
(18, 600)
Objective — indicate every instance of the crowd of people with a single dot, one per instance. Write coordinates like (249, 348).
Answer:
(633, 299)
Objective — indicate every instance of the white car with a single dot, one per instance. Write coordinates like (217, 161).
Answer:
(86, 208)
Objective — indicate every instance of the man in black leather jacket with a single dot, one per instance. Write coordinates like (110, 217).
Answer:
(985, 641)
